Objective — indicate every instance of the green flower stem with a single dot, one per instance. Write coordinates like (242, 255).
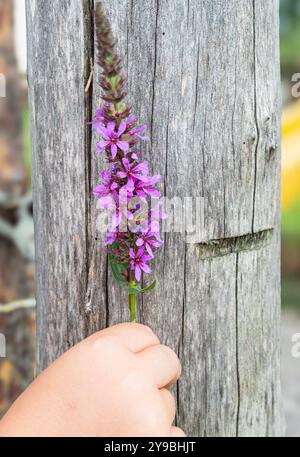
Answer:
(131, 298)
(132, 307)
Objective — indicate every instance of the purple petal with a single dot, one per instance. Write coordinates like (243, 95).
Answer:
(131, 253)
(114, 186)
(126, 164)
(105, 176)
(115, 220)
(157, 244)
(146, 258)
(99, 190)
(123, 145)
(152, 192)
(121, 174)
(160, 213)
(110, 238)
(127, 187)
(154, 226)
(122, 128)
(97, 126)
(142, 178)
(144, 138)
(101, 145)
(142, 195)
(145, 268)
(157, 235)
(155, 179)
(140, 252)
(138, 273)
(130, 183)
(99, 112)
(111, 128)
(143, 167)
(116, 196)
(114, 150)
(149, 250)
(107, 202)
(139, 242)
(104, 132)
(131, 119)
(139, 129)
(129, 215)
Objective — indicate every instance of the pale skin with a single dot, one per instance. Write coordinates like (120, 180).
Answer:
(114, 383)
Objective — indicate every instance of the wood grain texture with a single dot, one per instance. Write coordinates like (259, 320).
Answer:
(205, 77)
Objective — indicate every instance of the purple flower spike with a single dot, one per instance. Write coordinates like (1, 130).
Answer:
(132, 238)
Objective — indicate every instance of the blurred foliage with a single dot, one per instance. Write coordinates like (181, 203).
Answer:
(290, 226)
(290, 156)
(26, 144)
(290, 37)
(290, 292)
(290, 64)
(17, 370)
(290, 220)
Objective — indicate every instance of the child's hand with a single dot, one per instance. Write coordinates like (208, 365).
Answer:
(114, 383)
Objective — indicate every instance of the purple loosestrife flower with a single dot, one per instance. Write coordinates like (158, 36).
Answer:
(134, 156)
(127, 179)
(138, 262)
(117, 203)
(149, 239)
(98, 120)
(110, 238)
(137, 133)
(133, 172)
(131, 121)
(112, 138)
(108, 186)
(145, 188)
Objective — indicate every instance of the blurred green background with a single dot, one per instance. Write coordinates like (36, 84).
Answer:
(290, 65)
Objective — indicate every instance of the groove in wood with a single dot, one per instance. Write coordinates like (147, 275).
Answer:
(250, 242)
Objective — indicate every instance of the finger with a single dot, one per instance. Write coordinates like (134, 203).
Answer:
(169, 404)
(176, 432)
(161, 364)
(136, 337)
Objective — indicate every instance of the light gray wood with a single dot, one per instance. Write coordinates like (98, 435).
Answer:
(205, 77)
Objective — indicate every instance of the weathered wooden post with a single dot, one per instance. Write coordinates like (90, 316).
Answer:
(205, 76)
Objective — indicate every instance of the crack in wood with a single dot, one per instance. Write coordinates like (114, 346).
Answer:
(89, 56)
(257, 139)
(155, 67)
(249, 242)
(237, 344)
